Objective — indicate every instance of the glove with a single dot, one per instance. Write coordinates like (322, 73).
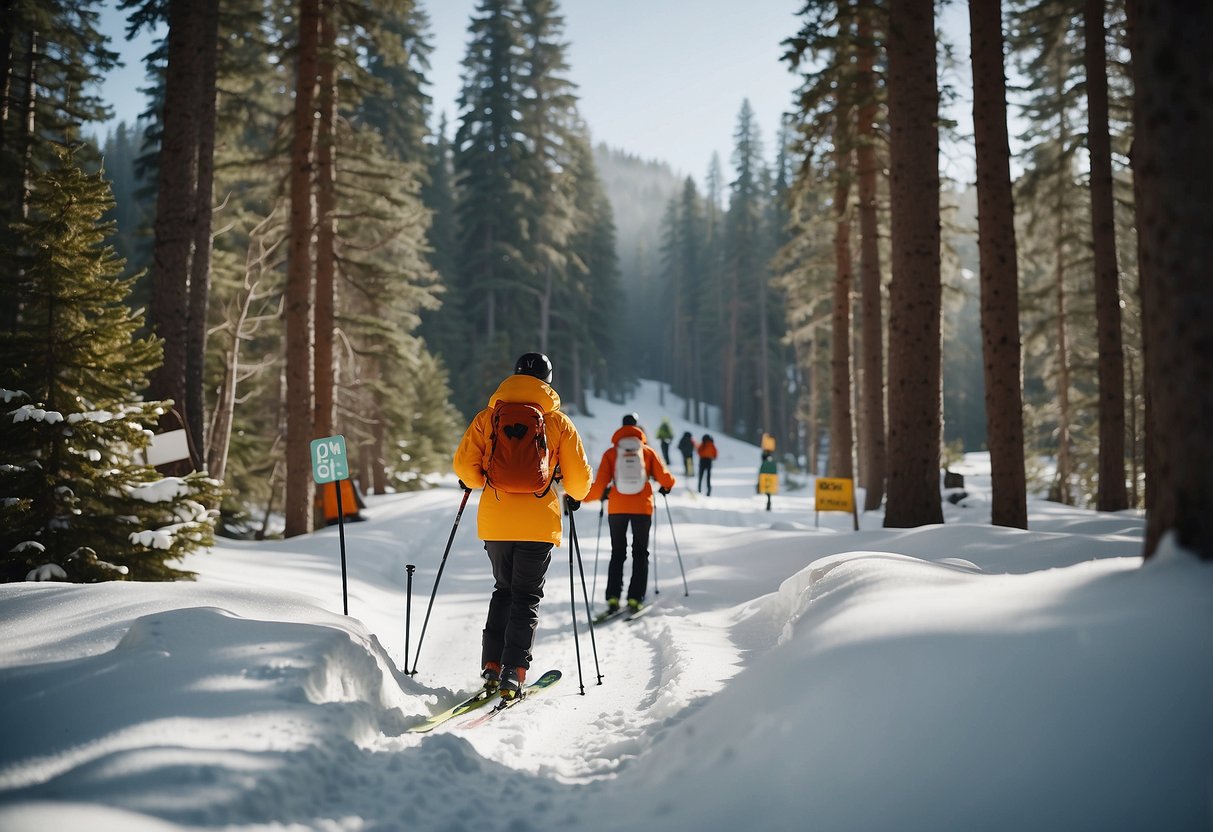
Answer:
(606, 495)
(571, 504)
(663, 491)
(464, 487)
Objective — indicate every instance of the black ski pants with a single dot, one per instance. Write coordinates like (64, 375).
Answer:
(641, 524)
(705, 468)
(519, 569)
(665, 450)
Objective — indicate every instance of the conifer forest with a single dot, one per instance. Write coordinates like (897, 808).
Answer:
(293, 243)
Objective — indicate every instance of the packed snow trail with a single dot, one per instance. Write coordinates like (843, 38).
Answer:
(972, 677)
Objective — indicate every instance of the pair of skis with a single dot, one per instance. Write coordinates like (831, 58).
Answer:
(483, 697)
(626, 613)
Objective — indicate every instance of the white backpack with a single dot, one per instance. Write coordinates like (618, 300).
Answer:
(630, 473)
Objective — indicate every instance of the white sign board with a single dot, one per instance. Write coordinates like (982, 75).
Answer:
(168, 447)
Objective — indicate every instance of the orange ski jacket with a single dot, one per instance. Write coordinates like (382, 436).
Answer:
(642, 501)
(707, 450)
(503, 516)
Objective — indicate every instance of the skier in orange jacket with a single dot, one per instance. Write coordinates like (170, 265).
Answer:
(520, 529)
(623, 480)
(707, 453)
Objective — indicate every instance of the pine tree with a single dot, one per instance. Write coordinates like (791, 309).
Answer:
(999, 269)
(1174, 129)
(53, 55)
(914, 297)
(870, 119)
(596, 302)
(1112, 494)
(76, 502)
(488, 156)
(1055, 250)
(745, 257)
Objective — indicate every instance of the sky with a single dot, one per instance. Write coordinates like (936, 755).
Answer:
(958, 676)
(661, 79)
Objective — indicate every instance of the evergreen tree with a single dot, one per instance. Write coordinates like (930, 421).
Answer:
(1055, 272)
(999, 269)
(488, 158)
(914, 298)
(745, 258)
(53, 55)
(1174, 129)
(76, 502)
(1112, 495)
(597, 301)
(871, 119)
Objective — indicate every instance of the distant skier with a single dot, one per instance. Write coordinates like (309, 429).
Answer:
(768, 477)
(623, 480)
(687, 446)
(665, 435)
(707, 454)
(514, 449)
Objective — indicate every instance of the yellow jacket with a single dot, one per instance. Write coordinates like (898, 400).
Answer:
(523, 516)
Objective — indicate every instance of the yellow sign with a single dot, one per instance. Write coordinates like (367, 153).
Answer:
(835, 494)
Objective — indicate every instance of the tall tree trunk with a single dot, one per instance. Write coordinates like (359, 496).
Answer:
(814, 405)
(1174, 131)
(176, 207)
(16, 130)
(999, 269)
(545, 310)
(873, 443)
(28, 127)
(915, 293)
(764, 353)
(728, 399)
(200, 264)
(379, 457)
(1134, 473)
(1111, 494)
(326, 226)
(842, 440)
(299, 280)
(223, 415)
(1065, 463)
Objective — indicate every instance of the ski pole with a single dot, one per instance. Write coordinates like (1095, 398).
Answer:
(685, 589)
(467, 492)
(573, 604)
(598, 545)
(408, 611)
(656, 586)
(589, 617)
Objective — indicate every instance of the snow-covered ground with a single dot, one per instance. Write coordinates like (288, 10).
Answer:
(949, 677)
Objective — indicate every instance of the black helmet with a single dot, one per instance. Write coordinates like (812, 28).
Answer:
(631, 419)
(534, 364)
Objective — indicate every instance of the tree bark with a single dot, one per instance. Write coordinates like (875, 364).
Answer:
(299, 280)
(873, 444)
(1173, 133)
(326, 227)
(842, 439)
(1111, 494)
(999, 269)
(176, 208)
(200, 263)
(915, 293)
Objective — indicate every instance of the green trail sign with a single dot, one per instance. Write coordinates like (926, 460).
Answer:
(329, 462)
